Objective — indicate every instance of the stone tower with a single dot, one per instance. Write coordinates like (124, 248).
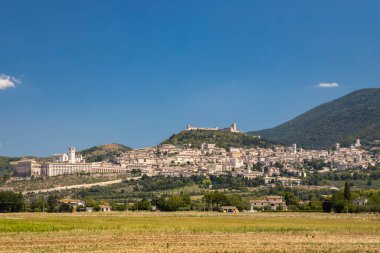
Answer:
(71, 155)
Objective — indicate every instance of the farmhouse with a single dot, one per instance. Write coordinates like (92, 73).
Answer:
(230, 209)
(105, 208)
(273, 202)
(75, 203)
(360, 201)
(72, 202)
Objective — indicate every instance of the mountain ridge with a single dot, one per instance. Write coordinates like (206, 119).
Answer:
(355, 115)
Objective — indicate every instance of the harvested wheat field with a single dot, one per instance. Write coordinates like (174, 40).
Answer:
(189, 232)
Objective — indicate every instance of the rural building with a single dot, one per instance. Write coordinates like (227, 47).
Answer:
(105, 208)
(230, 209)
(360, 201)
(72, 202)
(75, 203)
(274, 202)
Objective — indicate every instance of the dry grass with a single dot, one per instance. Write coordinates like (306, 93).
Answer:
(189, 232)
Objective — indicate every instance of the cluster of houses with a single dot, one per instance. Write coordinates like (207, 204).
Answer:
(171, 160)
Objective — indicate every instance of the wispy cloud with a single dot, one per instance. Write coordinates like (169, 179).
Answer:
(327, 85)
(8, 82)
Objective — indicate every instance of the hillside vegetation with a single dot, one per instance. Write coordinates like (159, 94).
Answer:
(221, 139)
(356, 115)
(8, 169)
(103, 152)
(5, 166)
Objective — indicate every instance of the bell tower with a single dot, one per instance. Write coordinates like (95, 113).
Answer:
(71, 155)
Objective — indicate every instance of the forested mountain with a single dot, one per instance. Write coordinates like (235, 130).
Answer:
(356, 115)
(220, 138)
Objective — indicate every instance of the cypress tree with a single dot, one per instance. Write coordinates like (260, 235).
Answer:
(347, 192)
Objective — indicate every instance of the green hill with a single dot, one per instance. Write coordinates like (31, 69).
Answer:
(221, 139)
(103, 152)
(356, 115)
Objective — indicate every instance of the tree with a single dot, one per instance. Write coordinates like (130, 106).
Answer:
(136, 172)
(53, 201)
(144, 204)
(119, 207)
(206, 182)
(80, 209)
(347, 191)
(173, 203)
(6, 177)
(236, 200)
(279, 165)
(215, 198)
(39, 205)
(65, 208)
(338, 201)
(90, 202)
(10, 201)
(339, 206)
(186, 199)
(290, 198)
(327, 206)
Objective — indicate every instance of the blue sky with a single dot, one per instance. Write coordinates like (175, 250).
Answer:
(84, 73)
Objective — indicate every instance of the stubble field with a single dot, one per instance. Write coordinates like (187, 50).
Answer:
(189, 232)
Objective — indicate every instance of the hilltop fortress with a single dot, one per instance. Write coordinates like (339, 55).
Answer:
(233, 128)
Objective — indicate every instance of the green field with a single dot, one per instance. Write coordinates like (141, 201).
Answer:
(189, 232)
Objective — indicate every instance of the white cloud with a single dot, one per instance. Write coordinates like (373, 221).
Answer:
(8, 82)
(328, 85)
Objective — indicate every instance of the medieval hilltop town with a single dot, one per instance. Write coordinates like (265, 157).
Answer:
(280, 163)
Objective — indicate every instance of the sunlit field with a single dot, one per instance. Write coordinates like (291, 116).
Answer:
(189, 232)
